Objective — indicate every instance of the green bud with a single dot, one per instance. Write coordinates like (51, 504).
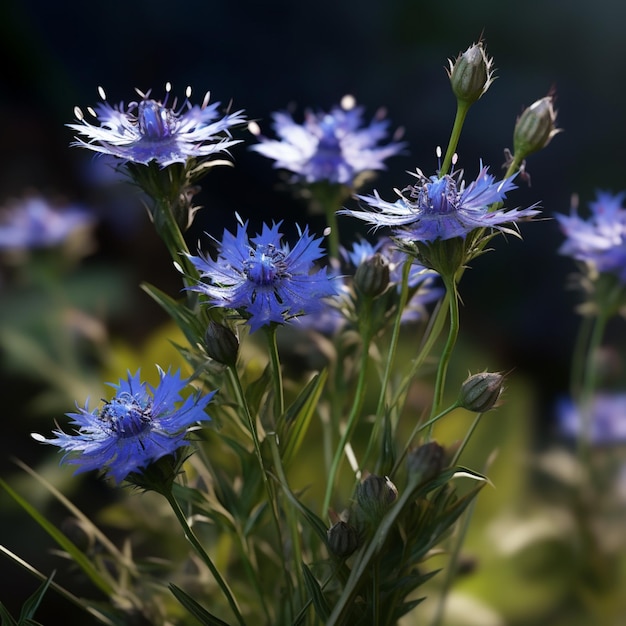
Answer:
(343, 539)
(375, 495)
(471, 74)
(480, 392)
(372, 276)
(534, 128)
(426, 461)
(221, 344)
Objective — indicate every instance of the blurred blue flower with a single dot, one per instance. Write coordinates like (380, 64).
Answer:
(443, 208)
(334, 147)
(138, 426)
(262, 278)
(608, 418)
(153, 130)
(35, 223)
(601, 239)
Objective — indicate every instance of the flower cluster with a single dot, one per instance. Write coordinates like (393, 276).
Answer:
(443, 208)
(153, 130)
(334, 147)
(263, 278)
(599, 241)
(138, 426)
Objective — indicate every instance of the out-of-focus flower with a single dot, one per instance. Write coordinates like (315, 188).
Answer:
(443, 208)
(334, 147)
(599, 241)
(607, 418)
(36, 223)
(153, 130)
(138, 426)
(263, 278)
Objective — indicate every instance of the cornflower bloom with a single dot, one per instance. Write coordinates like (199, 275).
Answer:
(599, 241)
(333, 147)
(443, 208)
(137, 427)
(153, 130)
(608, 418)
(263, 278)
(35, 223)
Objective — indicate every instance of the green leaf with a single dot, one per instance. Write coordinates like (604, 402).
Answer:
(315, 592)
(6, 618)
(198, 611)
(32, 603)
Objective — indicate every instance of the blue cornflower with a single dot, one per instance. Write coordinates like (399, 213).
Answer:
(608, 418)
(599, 241)
(262, 278)
(138, 426)
(333, 147)
(443, 208)
(35, 223)
(153, 130)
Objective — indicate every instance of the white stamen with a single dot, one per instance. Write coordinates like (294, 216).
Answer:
(102, 93)
(205, 101)
(327, 231)
(79, 114)
(254, 128)
(438, 152)
(141, 93)
(348, 102)
(168, 87)
(455, 158)
(188, 91)
(91, 112)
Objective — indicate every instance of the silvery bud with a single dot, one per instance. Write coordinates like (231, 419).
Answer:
(480, 392)
(534, 128)
(221, 344)
(372, 275)
(471, 73)
(343, 539)
(426, 461)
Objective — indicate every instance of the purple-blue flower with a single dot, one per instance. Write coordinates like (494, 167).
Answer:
(139, 425)
(600, 240)
(443, 208)
(608, 418)
(155, 130)
(334, 147)
(263, 278)
(35, 223)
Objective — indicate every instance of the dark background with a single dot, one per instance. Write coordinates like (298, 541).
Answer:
(393, 53)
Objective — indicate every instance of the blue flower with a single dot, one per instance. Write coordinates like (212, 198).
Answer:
(599, 241)
(443, 208)
(608, 418)
(35, 223)
(334, 147)
(153, 130)
(138, 426)
(262, 278)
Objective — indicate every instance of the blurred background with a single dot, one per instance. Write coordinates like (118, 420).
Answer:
(265, 56)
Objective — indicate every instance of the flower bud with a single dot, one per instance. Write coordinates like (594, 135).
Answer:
(375, 495)
(221, 344)
(534, 128)
(480, 392)
(471, 74)
(372, 276)
(343, 539)
(426, 461)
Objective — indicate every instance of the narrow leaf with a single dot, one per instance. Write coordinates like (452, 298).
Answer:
(315, 592)
(197, 610)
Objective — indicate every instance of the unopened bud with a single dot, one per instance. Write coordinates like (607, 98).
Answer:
(480, 392)
(534, 128)
(372, 276)
(221, 344)
(426, 461)
(471, 74)
(375, 495)
(343, 539)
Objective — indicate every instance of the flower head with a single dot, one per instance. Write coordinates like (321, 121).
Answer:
(334, 147)
(599, 241)
(263, 278)
(139, 425)
(153, 130)
(608, 418)
(35, 223)
(443, 208)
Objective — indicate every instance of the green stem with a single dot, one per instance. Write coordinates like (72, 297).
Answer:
(193, 540)
(468, 435)
(461, 112)
(579, 356)
(277, 378)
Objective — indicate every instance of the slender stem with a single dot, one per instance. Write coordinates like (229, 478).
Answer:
(376, 592)
(330, 209)
(453, 332)
(193, 540)
(461, 112)
(579, 356)
(279, 398)
(468, 435)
